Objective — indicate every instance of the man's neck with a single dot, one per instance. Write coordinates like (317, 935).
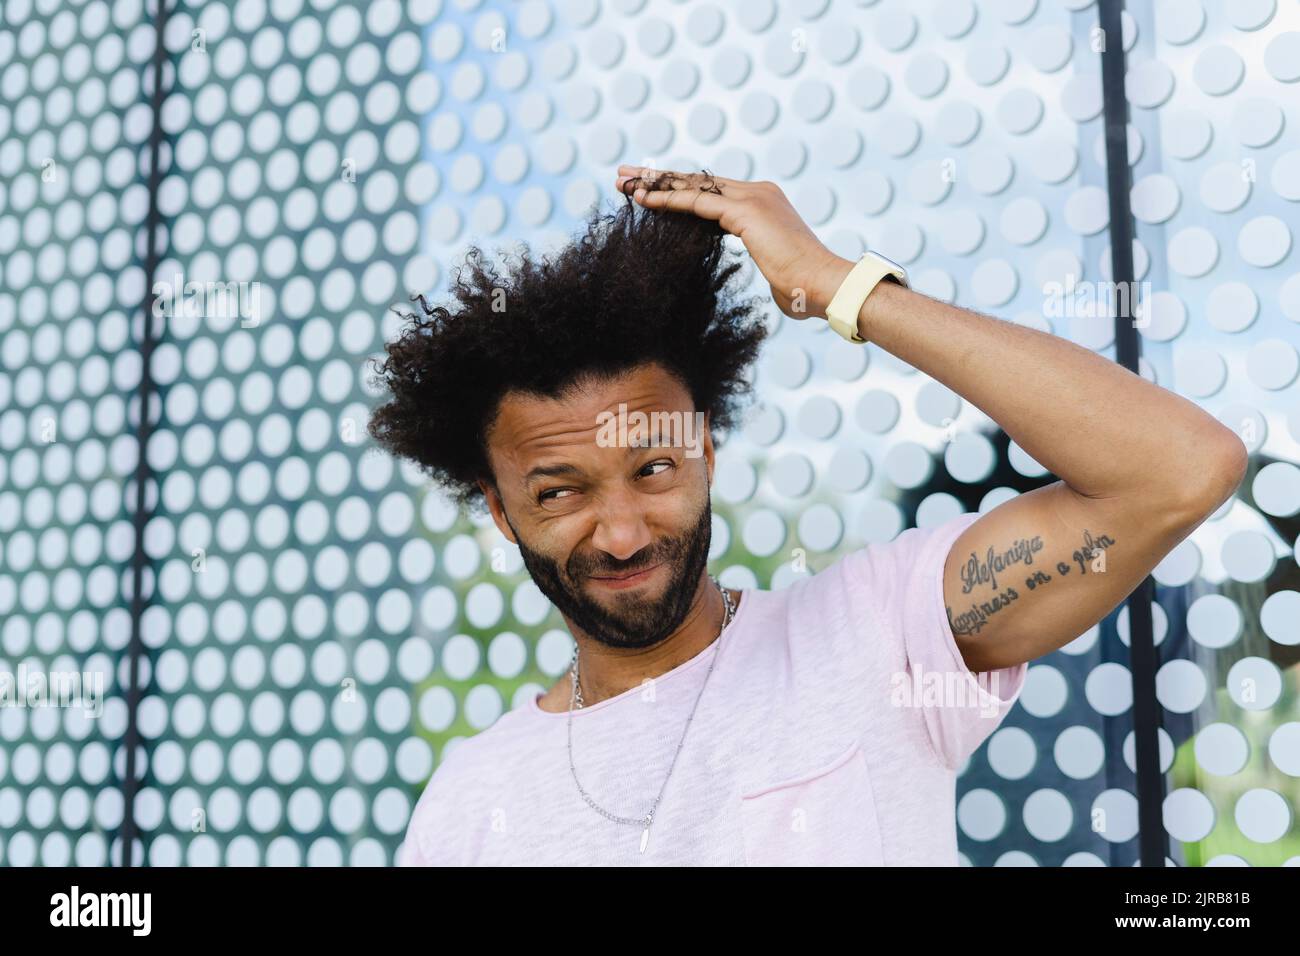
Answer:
(606, 672)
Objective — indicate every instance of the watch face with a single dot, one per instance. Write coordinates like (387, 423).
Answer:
(891, 262)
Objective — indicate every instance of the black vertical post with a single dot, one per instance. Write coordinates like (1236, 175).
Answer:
(1152, 843)
(140, 517)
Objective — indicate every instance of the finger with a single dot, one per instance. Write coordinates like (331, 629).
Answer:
(704, 204)
(666, 180)
(662, 179)
(672, 179)
(646, 172)
(676, 179)
(684, 182)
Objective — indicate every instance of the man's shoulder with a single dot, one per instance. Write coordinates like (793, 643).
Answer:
(470, 771)
(479, 756)
(815, 592)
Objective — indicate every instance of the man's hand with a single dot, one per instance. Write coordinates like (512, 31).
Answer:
(803, 273)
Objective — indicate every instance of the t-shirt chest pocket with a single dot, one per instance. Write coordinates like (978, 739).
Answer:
(823, 818)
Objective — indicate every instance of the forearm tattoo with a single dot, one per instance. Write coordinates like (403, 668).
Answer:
(1088, 558)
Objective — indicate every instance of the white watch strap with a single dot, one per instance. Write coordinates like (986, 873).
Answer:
(842, 313)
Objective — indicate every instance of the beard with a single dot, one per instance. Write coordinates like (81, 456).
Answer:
(636, 620)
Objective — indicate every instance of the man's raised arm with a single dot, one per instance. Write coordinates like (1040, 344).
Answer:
(1140, 467)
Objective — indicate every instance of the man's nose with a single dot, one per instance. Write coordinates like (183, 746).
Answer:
(621, 529)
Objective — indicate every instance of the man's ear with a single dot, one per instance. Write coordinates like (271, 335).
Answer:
(498, 511)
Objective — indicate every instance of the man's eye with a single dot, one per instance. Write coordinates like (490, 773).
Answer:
(554, 494)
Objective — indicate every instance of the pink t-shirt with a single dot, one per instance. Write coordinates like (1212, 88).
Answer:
(823, 737)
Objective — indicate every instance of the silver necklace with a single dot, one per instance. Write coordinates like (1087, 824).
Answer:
(575, 701)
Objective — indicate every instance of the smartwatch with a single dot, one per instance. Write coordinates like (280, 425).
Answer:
(842, 313)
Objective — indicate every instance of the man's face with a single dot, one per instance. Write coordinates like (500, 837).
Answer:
(584, 509)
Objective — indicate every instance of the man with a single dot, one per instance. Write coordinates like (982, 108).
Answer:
(823, 723)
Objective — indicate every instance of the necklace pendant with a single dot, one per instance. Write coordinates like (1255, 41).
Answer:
(645, 837)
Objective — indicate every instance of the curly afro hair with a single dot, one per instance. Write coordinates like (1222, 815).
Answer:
(638, 286)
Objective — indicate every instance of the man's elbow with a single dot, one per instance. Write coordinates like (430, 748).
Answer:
(1212, 476)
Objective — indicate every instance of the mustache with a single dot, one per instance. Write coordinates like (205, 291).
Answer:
(624, 569)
